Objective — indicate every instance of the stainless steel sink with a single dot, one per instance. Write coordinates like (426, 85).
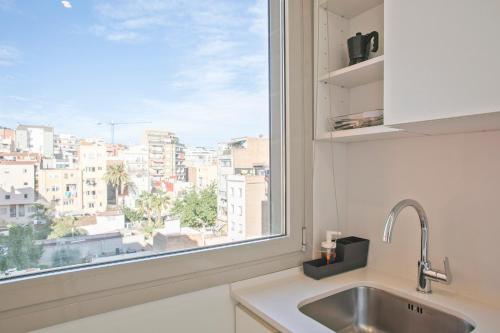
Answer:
(371, 310)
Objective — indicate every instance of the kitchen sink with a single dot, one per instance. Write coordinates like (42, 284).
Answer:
(371, 310)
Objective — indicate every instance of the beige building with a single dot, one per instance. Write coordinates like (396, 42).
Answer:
(202, 176)
(17, 191)
(7, 140)
(241, 156)
(245, 198)
(62, 188)
(92, 164)
(165, 157)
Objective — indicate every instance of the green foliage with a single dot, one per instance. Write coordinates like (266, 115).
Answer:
(66, 257)
(18, 249)
(42, 213)
(152, 204)
(197, 210)
(117, 176)
(132, 215)
(65, 227)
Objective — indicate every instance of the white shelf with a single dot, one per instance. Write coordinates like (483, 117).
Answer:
(363, 134)
(349, 8)
(365, 72)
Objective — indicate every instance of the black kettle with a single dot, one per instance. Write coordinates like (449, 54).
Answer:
(359, 46)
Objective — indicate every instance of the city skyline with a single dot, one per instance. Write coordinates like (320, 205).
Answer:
(186, 85)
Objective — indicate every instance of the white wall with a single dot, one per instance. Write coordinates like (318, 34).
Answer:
(457, 180)
(208, 311)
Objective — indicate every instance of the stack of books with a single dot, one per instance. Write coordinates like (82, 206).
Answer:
(351, 121)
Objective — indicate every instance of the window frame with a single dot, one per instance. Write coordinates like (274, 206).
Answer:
(31, 302)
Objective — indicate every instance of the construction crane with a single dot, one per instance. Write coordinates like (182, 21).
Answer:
(112, 125)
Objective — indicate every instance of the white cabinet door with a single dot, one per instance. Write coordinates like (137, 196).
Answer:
(247, 322)
(442, 59)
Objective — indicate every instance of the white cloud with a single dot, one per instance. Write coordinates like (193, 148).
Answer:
(259, 24)
(66, 4)
(9, 55)
(6, 4)
(115, 35)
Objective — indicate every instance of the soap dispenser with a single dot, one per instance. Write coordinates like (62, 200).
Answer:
(328, 247)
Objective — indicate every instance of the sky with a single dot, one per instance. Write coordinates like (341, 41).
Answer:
(198, 68)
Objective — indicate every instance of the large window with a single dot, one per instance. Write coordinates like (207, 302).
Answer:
(136, 128)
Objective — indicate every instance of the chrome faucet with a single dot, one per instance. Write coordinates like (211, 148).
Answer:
(425, 273)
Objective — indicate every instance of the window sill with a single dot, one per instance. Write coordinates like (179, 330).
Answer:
(39, 302)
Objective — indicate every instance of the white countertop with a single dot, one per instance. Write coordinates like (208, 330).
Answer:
(276, 298)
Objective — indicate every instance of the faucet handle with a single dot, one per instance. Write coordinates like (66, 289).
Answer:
(439, 276)
(447, 270)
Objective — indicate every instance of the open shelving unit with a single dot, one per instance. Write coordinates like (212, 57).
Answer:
(342, 89)
(368, 71)
(349, 8)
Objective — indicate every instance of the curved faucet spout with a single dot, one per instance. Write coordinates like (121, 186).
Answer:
(424, 226)
(425, 273)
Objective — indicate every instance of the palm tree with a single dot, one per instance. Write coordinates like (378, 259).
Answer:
(160, 202)
(117, 177)
(150, 204)
(144, 204)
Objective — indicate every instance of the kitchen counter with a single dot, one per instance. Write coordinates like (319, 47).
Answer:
(276, 298)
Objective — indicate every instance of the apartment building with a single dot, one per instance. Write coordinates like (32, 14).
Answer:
(200, 156)
(62, 188)
(17, 191)
(224, 169)
(241, 156)
(7, 140)
(165, 157)
(92, 164)
(35, 139)
(180, 167)
(246, 216)
(66, 151)
(202, 176)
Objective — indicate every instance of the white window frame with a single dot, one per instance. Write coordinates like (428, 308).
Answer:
(31, 302)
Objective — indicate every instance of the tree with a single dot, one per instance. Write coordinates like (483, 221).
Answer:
(44, 215)
(145, 206)
(66, 257)
(19, 250)
(197, 210)
(150, 204)
(65, 227)
(118, 178)
(160, 202)
(132, 215)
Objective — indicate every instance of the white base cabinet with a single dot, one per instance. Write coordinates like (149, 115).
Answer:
(247, 322)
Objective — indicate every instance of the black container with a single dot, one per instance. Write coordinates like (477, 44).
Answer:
(352, 253)
(359, 46)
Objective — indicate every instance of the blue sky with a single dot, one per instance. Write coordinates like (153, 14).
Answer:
(198, 67)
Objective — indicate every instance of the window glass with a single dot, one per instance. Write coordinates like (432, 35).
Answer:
(132, 128)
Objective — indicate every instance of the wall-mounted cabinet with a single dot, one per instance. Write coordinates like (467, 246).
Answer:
(435, 70)
(337, 83)
(442, 63)
(343, 89)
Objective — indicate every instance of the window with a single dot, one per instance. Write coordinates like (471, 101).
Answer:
(20, 210)
(12, 210)
(240, 190)
(7, 197)
(25, 196)
(199, 78)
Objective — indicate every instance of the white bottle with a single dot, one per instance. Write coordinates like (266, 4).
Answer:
(329, 245)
